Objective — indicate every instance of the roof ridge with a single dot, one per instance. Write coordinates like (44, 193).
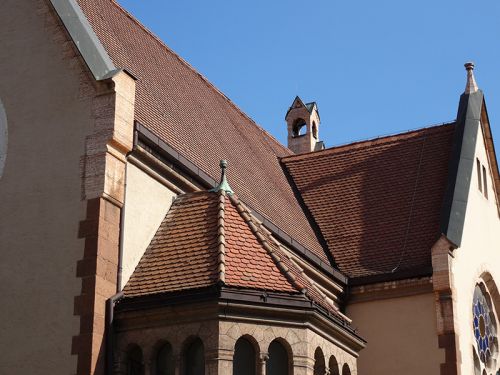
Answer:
(378, 140)
(203, 78)
(221, 237)
(247, 217)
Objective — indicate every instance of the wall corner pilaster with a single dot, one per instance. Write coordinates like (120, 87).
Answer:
(444, 293)
(103, 170)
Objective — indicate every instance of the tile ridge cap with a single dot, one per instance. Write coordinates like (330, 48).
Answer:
(257, 232)
(221, 237)
(378, 140)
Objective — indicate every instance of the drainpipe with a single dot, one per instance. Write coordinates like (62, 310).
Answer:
(119, 286)
(111, 302)
(110, 307)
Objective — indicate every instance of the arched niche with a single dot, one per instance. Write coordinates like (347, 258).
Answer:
(194, 357)
(134, 360)
(245, 356)
(163, 360)
(333, 366)
(319, 362)
(280, 358)
(299, 127)
(346, 370)
(3, 138)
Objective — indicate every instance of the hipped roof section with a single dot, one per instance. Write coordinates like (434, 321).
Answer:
(187, 112)
(378, 202)
(211, 239)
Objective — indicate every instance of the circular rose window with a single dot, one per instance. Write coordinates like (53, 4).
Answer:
(485, 331)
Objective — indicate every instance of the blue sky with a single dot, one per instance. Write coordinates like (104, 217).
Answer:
(374, 67)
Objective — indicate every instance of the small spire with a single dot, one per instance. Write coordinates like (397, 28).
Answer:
(223, 184)
(471, 85)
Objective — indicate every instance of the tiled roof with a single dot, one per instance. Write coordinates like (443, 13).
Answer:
(182, 108)
(378, 202)
(210, 238)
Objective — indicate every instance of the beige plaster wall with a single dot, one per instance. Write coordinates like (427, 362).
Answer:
(479, 253)
(48, 113)
(401, 335)
(146, 204)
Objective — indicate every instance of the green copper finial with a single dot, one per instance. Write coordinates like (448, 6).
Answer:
(223, 184)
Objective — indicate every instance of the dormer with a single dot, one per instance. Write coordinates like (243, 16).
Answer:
(303, 127)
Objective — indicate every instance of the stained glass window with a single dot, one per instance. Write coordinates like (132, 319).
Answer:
(485, 327)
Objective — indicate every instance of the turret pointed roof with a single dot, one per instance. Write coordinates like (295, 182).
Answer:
(211, 239)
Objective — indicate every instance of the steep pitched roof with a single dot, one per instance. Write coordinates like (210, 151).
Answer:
(378, 202)
(210, 238)
(182, 108)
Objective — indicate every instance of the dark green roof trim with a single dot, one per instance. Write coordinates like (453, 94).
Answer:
(461, 166)
(90, 47)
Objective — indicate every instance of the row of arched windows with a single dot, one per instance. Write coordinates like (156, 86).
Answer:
(245, 360)
(333, 366)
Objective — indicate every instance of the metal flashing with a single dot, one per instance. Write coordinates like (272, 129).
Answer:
(87, 42)
(461, 166)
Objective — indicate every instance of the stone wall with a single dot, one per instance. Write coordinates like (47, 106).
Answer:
(219, 339)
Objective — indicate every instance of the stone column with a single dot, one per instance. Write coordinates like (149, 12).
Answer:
(219, 362)
(303, 365)
(263, 357)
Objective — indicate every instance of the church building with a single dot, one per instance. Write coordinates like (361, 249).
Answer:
(150, 227)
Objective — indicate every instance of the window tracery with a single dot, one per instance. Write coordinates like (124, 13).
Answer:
(484, 323)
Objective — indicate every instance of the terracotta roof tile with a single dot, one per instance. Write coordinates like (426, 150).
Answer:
(209, 238)
(181, 107)
(378, 202)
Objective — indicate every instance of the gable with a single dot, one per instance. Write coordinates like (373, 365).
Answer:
(472, 126)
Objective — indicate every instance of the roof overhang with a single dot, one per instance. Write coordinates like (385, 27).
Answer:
(225, 303)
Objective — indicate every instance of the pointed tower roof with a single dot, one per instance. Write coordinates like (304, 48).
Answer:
(471, 85)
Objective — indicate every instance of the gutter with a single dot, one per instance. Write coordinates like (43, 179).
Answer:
(110, 309)
(119, 286)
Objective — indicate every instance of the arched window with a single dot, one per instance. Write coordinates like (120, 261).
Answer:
(3, 138)
(164, 363)
(315, 130)
(299, 128)
(194, 358)
(333, 366)
(278, 362)
(346, 370)
(244, 358)
(319, 362)
(485, 326)
(135, 362)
